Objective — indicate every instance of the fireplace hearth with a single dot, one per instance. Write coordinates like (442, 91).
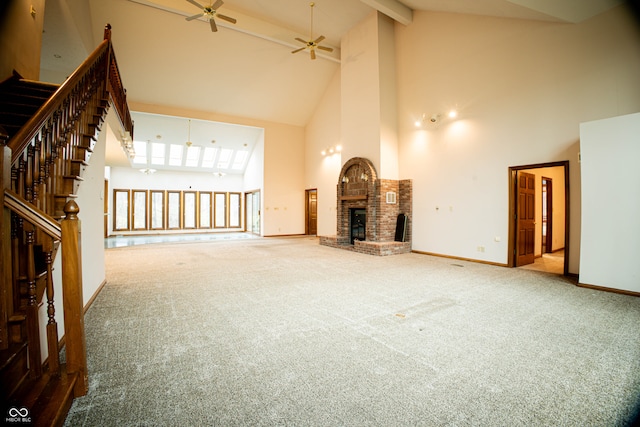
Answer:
(367, 211)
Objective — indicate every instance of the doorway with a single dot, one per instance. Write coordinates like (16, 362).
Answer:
(547, 215)
(252, 212)
(311, 212)
(539, 217)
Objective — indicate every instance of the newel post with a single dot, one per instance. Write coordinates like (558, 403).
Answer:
(73, 300)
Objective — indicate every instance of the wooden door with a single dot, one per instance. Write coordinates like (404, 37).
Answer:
(312, 212)
(526, 230)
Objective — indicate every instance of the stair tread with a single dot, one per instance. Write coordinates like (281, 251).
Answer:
(47, 398)
(8, 355)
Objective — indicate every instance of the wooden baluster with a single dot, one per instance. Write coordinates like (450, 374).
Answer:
(29, 174)
(72, 296)
(20, 176)
(6, 298)
(33, 329)
(52, 325)
(16, 233)
(36, 172)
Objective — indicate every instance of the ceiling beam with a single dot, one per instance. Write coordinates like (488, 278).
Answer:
(393, 9)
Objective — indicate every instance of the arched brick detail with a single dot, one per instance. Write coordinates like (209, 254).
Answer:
(366, 164)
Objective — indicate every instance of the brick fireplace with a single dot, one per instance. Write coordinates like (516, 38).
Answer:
(368, 209)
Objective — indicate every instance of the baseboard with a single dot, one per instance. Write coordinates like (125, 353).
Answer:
(288, 235)
(612, 290)
(479, 261)
(94, 296)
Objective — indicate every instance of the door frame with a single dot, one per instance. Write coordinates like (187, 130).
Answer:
(307, 194)
(513, 209)
(547, 236)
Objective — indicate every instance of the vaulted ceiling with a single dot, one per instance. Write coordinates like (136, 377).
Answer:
(244, 69)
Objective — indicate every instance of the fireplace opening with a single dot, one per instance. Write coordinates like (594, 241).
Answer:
(358, 229)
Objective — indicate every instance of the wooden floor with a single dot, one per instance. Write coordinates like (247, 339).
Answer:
(551, 263)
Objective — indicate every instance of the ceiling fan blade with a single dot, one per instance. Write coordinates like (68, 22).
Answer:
(297, 50)
(227, 18)
(196, 4)
(214, 27)
(328, 49)
(319, 39)
(217, 4)
(191, 18)
(313, 54)
(300, 40)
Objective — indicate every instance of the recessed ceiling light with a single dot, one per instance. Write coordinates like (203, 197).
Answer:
(158, 136)
(213, 141)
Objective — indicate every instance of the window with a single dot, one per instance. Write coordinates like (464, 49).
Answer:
(157, 153)
(225, 158)
(139, 209)
(220, 208)
(141, 152)
(175, 155)
(193, 156)
(121, 209)
(209, 157)
(173, 209)
(205, 210)
(189, 209)
(157, 210)
(239, 160)
(234, 209)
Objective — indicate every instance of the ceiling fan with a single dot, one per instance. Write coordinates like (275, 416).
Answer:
(209, 12)
(312, 44)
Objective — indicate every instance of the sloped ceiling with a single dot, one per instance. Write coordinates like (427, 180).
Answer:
(246, 69)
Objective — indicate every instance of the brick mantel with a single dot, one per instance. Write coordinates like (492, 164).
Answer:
(360, 188)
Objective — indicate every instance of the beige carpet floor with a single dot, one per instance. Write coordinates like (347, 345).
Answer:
(285, 332)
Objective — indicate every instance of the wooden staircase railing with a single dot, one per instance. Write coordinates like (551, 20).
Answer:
(40, 171)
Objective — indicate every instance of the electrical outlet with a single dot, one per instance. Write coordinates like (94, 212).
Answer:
(480, 248)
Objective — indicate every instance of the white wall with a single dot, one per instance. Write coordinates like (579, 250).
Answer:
(522, 89)
(322, 172)
(610, 248)
(283, 201)
(90, 200)
(360, 92)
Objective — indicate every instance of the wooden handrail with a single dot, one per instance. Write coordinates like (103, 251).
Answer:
(32, 214)
(19, 142)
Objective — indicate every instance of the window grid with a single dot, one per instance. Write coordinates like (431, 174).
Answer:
(137, 210)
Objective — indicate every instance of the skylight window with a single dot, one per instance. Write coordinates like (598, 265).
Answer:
(175, 155)
(157, 153)
(193, 156)
(241, 157)
(140, 148)
(225, 158)
(209, 157)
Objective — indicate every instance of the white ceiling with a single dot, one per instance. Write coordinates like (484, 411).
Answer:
(247, 69)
